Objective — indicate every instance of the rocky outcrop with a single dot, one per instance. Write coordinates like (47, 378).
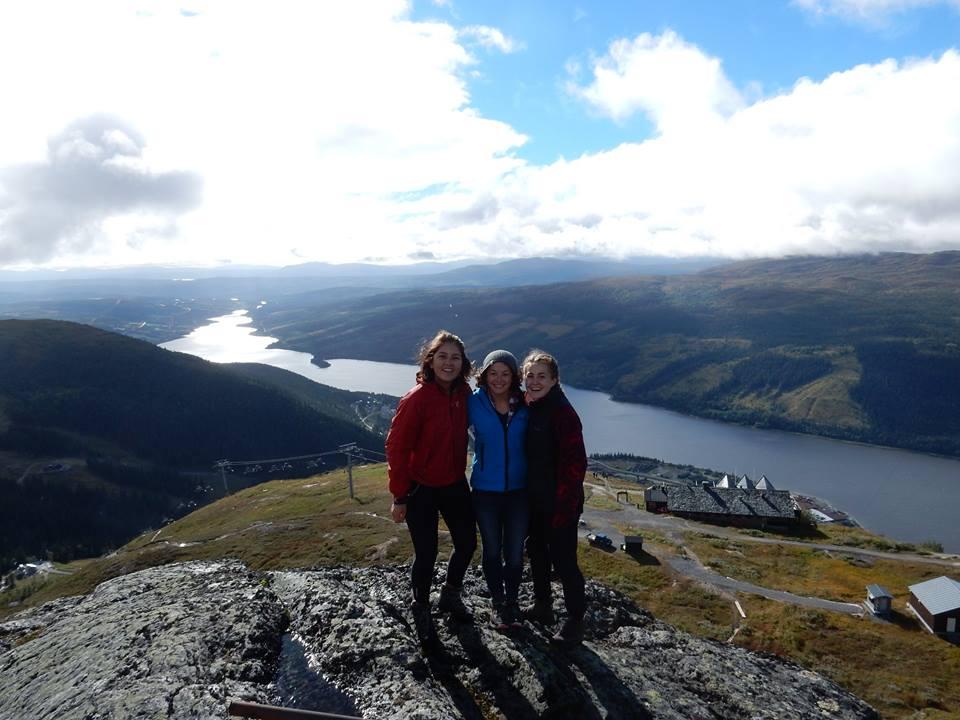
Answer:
(168, 642)
(177, 641)
(359, 634)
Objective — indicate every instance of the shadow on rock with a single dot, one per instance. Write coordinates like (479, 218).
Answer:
(496, 673)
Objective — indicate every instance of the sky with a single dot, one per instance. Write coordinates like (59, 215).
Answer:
(206, 133)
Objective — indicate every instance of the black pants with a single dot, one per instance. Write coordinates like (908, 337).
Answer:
(424, 507)
(548, 546)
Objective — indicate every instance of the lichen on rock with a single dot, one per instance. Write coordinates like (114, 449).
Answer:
(179, 641)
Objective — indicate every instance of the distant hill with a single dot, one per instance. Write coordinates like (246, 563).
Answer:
(142, 427)
(161, 304)
(66, 383)
(864, 347)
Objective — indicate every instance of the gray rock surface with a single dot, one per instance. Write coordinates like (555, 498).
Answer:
(178, 641)
(173, 641)
(360, 635)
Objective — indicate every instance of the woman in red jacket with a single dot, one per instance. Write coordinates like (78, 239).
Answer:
(426, 466)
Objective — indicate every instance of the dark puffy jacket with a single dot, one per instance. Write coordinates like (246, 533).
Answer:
(427, 442)
(499, 452)
(556, 458)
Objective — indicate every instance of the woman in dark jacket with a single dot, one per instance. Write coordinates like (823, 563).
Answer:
(556, 466)
(498, 416)
(426, 466)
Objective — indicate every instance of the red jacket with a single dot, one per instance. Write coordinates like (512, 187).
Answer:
(427, 442)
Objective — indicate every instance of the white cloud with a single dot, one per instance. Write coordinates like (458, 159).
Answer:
(94, 173)
(866, 160)
(302, 118)
(490, 37)
(672, 81)
(338, 131)
(867, 10)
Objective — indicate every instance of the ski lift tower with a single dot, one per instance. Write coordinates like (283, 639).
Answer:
(347, 449)
(222, 466)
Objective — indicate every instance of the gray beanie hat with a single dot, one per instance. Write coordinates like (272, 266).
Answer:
(504, 356)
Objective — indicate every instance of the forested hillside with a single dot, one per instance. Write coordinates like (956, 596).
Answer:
(141, 428)
(864, 347)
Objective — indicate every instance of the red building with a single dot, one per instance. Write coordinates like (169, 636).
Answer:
(937, 604)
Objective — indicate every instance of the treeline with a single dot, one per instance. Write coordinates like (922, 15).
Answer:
(51, 517)
(909, 393)
(775, 372)
(67, 387)
(152, 478)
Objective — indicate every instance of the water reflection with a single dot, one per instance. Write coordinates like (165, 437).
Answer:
(297, 686)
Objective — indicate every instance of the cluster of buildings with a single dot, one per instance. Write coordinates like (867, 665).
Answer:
(935, 603)
(740, 502)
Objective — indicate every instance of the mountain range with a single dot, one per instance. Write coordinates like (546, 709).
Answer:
(863, 348)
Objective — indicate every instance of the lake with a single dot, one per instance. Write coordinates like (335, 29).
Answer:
(904, 495)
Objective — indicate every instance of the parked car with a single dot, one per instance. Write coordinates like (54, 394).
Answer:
(600, 541)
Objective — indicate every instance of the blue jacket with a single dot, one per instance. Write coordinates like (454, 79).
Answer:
(499, 455)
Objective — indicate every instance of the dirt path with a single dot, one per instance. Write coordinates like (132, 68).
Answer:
(689, 565)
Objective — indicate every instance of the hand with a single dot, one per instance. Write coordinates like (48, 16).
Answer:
(398, 512)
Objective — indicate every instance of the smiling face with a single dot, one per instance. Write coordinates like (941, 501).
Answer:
(499, 379)
(447, 363)
(538, 380)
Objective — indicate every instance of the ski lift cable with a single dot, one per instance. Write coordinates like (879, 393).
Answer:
(311, 456)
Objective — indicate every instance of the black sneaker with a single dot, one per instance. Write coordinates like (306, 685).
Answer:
(571, 633)
(451, 602)
(426, 630)
(540, 612)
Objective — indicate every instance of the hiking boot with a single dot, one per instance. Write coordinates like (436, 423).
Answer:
(426, 630)
(512, 616)
(571, 633)
(540, 612)
(451, 602)
(499, 617)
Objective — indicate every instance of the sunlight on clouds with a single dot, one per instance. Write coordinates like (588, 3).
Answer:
(490, 37)
(867, 10)
(867, 160)
(669, 79)
(300, 117)
(340, 131)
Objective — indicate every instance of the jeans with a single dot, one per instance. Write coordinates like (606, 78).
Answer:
(502, 519)
(548, 546)
(424, 507)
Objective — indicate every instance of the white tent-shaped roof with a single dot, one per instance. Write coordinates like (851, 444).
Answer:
(725, 482)
(745, 483)
(764, 484)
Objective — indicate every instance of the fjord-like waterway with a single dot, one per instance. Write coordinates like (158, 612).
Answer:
(904, 495)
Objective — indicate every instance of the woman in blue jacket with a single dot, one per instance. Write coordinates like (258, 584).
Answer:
(499, 480)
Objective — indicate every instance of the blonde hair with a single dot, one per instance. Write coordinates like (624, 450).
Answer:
(541, 356)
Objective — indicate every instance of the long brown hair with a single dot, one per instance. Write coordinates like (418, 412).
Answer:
(429, 349)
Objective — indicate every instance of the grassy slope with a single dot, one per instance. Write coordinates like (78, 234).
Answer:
(301, 523)
(851, 347)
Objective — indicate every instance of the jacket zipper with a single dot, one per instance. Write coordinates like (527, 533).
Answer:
(506, 452)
